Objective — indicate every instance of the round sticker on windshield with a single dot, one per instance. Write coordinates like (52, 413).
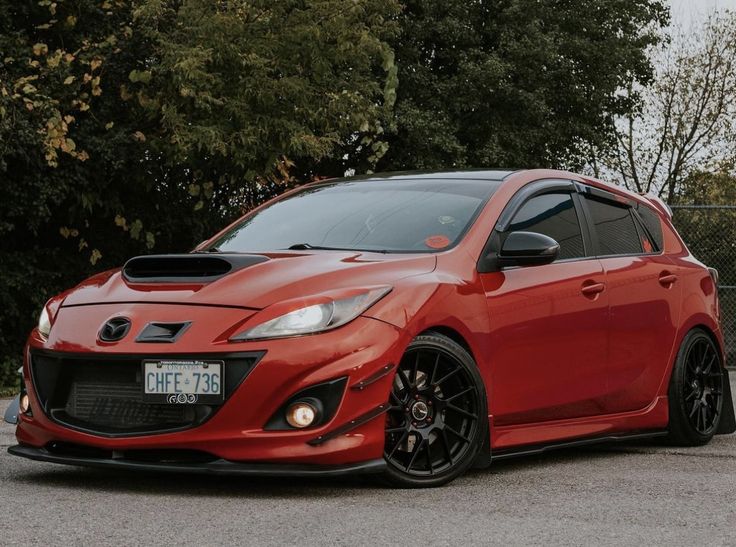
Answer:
(437, 242)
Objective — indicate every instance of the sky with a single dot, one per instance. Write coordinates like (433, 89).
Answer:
(686, 12)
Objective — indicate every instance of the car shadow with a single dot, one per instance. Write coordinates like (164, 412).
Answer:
(570, 455)
(195, 485)
(188, 484)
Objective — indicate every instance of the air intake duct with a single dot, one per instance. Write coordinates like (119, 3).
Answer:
(186, 268)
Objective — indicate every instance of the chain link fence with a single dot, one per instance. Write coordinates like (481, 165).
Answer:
(710, 233)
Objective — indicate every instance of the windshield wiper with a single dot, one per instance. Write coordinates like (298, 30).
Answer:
(210, 250)
(309, 246)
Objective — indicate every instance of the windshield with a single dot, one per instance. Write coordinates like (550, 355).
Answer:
(371, 215)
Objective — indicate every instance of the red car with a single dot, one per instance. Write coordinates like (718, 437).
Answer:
(413, 325)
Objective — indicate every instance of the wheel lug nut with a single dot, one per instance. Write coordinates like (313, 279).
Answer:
(414, 424)
(416, 396)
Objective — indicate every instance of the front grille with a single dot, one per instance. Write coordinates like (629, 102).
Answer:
(119, 405)
(104, 395)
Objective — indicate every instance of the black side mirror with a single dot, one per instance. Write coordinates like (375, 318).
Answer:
(528, 249)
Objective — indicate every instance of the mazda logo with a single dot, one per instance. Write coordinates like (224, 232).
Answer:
(114, 329)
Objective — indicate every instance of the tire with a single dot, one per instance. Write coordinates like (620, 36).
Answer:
(437, 422)
(696, 391)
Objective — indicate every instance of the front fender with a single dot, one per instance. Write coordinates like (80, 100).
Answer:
(440, 302)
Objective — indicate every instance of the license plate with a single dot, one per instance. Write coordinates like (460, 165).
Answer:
(177, 381)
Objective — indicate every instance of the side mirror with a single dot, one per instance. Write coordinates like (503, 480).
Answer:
(528, 249)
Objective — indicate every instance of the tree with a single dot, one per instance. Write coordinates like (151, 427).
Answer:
(686, 121)
(133, 126)
(252, 86)
(515, 83)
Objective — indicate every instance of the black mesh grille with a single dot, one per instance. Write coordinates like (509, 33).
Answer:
(105, 396)
(118, 405)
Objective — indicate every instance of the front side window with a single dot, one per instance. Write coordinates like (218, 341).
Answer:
(617, 234)
(552, 215)
(410, 215)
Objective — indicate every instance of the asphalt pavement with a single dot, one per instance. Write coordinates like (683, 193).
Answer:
(611, 495)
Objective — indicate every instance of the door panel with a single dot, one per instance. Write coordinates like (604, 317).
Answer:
(643, 296)
(549, 341)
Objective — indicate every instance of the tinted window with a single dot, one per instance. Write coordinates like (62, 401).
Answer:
(552, 215)
(381, 215)
(615, 226)
(652, 223)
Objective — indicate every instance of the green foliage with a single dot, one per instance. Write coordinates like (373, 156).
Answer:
(709, 233)
(135, 126)
(252, 83)
(708, 188)
(515, 83)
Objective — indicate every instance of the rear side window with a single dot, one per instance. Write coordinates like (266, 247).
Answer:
(652, 223)
(552, 215)
(617, 234)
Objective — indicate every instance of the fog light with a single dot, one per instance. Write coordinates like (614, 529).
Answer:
(24, 404)
(300, 415)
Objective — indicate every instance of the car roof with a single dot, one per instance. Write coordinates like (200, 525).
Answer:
(500, 175)
(460, 174)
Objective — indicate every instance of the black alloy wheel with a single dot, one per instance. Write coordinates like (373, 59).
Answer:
(437, 420)
(696, 390)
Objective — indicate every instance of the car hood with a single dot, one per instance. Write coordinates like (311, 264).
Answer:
(266, 279)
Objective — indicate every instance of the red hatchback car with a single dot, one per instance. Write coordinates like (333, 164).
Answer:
(412, 325)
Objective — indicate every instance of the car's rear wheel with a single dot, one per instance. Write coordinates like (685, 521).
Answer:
(696, 391)
(437, 421)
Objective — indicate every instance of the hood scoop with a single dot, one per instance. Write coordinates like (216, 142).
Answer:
(186, 268)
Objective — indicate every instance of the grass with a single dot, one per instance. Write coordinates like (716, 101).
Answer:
(8, 391)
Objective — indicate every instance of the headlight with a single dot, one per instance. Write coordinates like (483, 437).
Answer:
(314, 318)
(44, 323)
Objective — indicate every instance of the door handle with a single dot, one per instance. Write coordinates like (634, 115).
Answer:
(592, 288)
(666, 279)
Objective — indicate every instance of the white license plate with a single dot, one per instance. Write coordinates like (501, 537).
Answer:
(182, 381)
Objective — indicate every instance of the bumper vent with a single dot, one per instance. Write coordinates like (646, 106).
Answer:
(104, 396)
(162, 332)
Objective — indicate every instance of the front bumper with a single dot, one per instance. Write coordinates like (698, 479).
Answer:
(235, 435)
(216, 467)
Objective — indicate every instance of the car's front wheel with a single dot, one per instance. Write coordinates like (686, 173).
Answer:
(437, 421)
(696, 391)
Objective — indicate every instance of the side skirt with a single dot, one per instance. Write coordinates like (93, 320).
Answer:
(534, 450)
